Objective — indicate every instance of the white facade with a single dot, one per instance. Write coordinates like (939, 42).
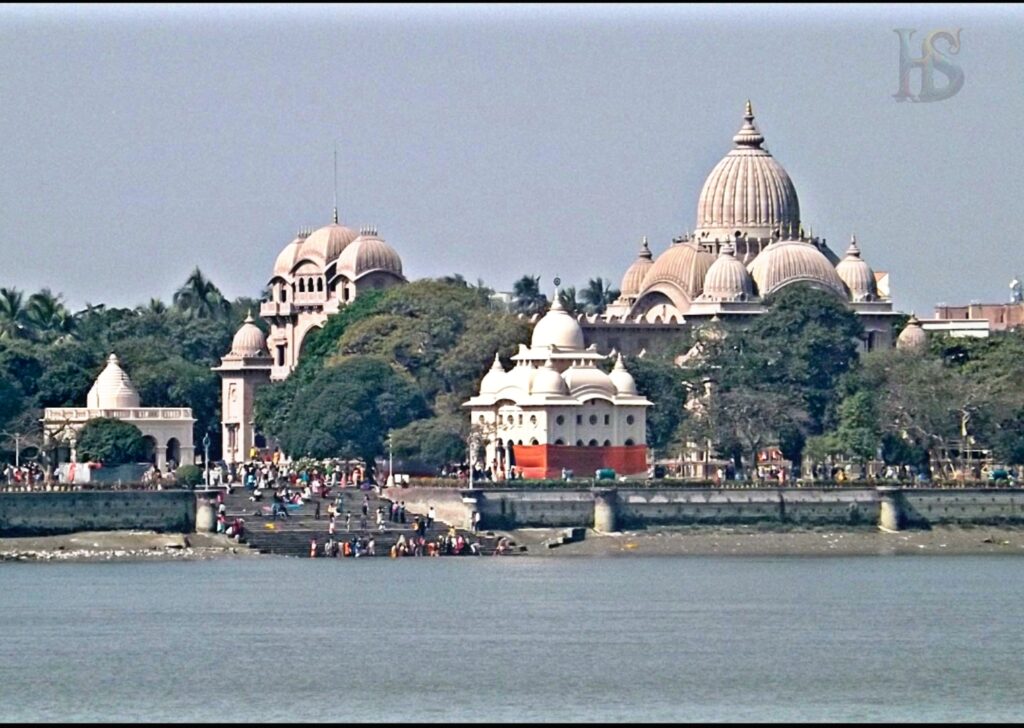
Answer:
(555, 395)
(242, 371)
(166, 430)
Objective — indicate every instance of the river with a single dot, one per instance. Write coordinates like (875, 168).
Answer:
(915, 638)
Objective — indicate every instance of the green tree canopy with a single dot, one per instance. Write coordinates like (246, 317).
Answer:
(110, 441)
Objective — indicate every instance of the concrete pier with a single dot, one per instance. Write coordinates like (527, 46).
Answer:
(205, 518)
(892, 510)
(606, 502)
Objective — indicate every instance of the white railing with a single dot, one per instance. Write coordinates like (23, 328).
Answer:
(77, 414)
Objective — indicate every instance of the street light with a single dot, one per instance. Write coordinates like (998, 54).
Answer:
(391, 461)
(17, 447)
(206, 459)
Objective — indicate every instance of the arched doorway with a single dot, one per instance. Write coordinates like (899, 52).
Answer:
(173, 452)
(149, 449)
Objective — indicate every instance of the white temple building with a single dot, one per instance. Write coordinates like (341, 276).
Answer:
(241, 371)
(555, 409)
(167, 431)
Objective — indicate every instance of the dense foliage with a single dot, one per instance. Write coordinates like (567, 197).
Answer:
(110, 441)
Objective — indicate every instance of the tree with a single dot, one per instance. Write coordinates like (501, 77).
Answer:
(435, 442)
(661, 381)
(349, 408)
(47, 316)
(567, 297)
(110, 441)
(190, 475)
(198, 297)
(527, 297)
(13, 315)
(752, 418)
(598, 294)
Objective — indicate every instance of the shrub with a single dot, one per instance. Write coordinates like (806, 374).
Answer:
(190, 475)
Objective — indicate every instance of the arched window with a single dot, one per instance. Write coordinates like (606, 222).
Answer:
(320, 285)
(607, 420)
(520, 419)
(302, 285)
(284, 294)
(560, 419)
(592, 443)
(607, 443)
(173, 451)
(629, 442)
(630, 419)
(534, 441)
(559, 441)
(579, 443)
(593, 419)
(533, 419)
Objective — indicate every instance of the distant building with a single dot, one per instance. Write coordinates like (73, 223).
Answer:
(998, 316)
(166, 431)
(555, 409)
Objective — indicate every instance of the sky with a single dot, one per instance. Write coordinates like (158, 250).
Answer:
(138, 142)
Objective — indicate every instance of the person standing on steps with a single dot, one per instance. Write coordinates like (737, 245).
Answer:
(316, 513)
(312, 549)
(430, 517)
(348, 521)
(366, 505)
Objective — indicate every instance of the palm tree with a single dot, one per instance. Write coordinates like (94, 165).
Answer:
(598, 294)
(12, 313)
(48, 317)
(567, 297)
(155, 306)
(526, 296)
(200, 298)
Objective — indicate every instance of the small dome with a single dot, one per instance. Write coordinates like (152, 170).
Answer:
(369, 253)
(584, 377)
(324, 245)
(112, 389)
(520, 376)
(683, 266)
(557, 328)
(494, 379)
(727, 278)
(913, 337)
(747, 191)
(857, 275)
(547, 380)
(287, 258)
(634, 278)
(792, 261)
(622, 379)
(249, 340)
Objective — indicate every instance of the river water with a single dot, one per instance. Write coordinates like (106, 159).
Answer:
(929, 638)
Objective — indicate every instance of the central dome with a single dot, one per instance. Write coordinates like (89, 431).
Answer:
(748, 191)
(557, 328)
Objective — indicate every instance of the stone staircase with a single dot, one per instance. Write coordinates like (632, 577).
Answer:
(291, 536)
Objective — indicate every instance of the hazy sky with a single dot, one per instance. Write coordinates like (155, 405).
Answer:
(140, 142)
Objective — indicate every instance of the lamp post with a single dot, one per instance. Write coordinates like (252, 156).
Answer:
(206, 459)
(391, 461)
(17, 447)
(472, 452)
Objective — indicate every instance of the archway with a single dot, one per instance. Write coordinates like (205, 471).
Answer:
(149, 449)
(173, 452)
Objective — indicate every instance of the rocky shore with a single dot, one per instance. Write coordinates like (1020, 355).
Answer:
(121, 546)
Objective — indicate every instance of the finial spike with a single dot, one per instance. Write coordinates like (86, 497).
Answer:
(750, 109)
(335, 183)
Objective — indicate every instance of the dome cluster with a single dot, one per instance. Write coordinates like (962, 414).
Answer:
(748, 244)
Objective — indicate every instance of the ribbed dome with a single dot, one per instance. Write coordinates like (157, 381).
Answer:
(635, 274)
(494, 379)
(368, 253)
(286, 258)
(747, 191)
(913, 337)
(622, 379)
(684, 265)
(557, 328)
(249, 340)
(857, 275)
(791, 261)
(327, 243)
(727, 278)
(112, 389)
(547, 380)
(585, 377)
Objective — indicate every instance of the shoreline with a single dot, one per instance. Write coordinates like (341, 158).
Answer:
(105, 546)
(95, 546)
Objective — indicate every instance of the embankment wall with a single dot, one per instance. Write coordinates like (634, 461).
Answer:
(49, 513)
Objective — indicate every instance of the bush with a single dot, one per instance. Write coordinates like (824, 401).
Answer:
(110, 441)
(190, 475)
